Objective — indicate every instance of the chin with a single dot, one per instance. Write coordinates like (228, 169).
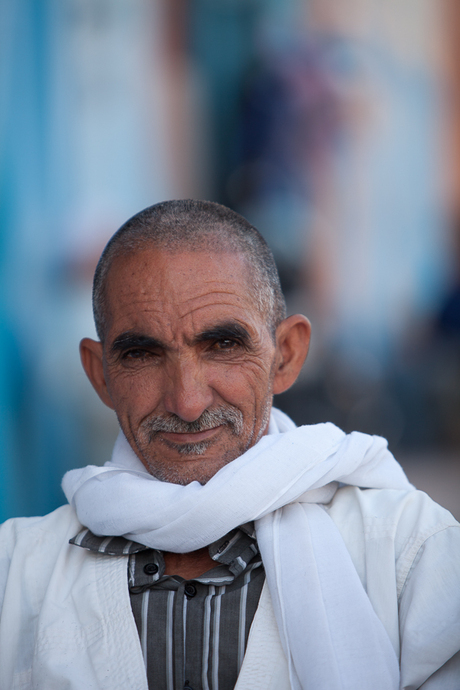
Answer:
(183, 475)
(189, 467)
(191, 462)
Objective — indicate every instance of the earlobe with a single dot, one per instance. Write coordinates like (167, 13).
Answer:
(91, 353)
(292, 342)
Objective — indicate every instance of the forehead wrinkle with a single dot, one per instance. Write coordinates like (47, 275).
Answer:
(211, 287)
(168, 295)
(208, 284)
(192, 310)
(211, 283)
(182, 308)
(173, 293)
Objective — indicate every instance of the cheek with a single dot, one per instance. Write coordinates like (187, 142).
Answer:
(241, 386)
(134, 395)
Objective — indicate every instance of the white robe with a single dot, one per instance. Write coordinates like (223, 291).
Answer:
(66, 620)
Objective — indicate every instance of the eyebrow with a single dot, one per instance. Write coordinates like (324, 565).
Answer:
(228, 330)
(225, 331)
(128, 340)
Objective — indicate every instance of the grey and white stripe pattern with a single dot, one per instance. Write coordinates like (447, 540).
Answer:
(193, 633)
(144, 627)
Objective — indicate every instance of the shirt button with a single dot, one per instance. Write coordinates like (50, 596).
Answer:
(190, 590)
(151, 569)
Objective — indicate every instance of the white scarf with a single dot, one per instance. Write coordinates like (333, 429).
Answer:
(332, 637)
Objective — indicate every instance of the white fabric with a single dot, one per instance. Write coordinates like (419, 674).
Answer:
(66, 620)
(278, 483)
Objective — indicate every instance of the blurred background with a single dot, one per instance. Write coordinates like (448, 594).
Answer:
(332, 125)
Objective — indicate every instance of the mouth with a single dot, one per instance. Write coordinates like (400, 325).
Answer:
(190, 437)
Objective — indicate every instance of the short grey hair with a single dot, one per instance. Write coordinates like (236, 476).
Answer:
(192, 225)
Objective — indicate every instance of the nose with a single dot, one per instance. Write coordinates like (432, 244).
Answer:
(188, 394)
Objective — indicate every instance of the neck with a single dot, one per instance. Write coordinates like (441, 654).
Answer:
(188, 565)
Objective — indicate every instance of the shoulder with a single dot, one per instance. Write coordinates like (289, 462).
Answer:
(386, 509)
(40, 539)
(51, 526)
(397, 523)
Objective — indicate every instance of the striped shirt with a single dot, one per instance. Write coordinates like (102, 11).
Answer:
(193, 633)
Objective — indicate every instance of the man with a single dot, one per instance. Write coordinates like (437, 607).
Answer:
(221, 546)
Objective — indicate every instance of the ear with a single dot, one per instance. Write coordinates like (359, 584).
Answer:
(91, 353)
(292, 342)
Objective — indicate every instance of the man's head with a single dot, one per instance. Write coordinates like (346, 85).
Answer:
(194, 339)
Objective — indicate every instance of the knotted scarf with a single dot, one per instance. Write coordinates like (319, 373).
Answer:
(332, 638)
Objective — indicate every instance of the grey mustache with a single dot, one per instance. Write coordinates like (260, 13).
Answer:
(209, 419)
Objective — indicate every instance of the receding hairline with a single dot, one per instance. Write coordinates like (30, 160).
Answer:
(193, 226)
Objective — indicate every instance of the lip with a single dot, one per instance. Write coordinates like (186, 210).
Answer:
(190, 437)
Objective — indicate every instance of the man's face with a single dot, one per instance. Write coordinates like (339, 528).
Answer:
(188, 360)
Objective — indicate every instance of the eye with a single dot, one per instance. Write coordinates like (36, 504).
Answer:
(226, 344)
(136, 354)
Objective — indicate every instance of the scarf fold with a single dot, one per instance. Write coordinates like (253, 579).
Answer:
(330, 633)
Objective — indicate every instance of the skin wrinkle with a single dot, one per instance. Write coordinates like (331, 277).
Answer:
(186, 339)
(210, 285)
(132, 340)
(180, 319)
(224, 414)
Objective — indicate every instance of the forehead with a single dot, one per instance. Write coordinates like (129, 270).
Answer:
(179, 285)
